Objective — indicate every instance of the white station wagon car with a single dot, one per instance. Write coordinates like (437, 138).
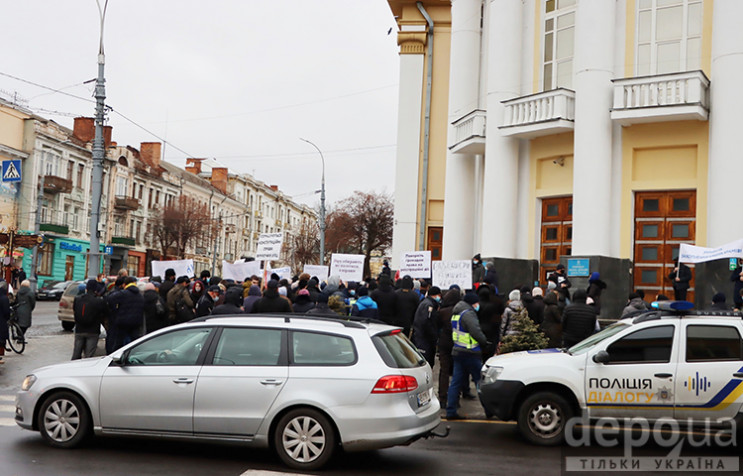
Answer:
(303, 386)
(685, 366)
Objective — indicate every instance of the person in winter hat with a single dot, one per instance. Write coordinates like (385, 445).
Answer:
(595, 286)
(468, 339)
(364, 306)
(514, 311)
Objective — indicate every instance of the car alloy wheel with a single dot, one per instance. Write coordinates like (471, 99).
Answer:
(304, 439)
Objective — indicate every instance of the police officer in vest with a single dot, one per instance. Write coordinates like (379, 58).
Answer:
(466, 354)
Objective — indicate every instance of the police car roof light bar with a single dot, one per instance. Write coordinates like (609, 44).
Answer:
(672, 305)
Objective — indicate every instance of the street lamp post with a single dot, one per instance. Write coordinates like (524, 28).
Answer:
(98, 153)
(322, 204)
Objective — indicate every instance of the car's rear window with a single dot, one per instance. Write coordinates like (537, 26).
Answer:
(397, 351)
(72, 290)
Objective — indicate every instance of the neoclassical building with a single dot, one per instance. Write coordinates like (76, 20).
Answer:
(599, 129)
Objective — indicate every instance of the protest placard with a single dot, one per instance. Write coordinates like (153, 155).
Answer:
(269, 246)
(446, 273)
(416, 264)
(348, 267)
(183, 267)
(284, 273)
(321, 272)
(240, 270)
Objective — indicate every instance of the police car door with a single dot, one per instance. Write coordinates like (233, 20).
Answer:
(710, 371)
(637, 380)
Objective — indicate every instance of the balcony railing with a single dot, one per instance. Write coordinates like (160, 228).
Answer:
(54, 184)
(123, 240)
(549, 112)
(126, 203)
(469, 133)
(667, 97)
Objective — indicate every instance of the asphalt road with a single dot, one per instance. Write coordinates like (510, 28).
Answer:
(477, 447)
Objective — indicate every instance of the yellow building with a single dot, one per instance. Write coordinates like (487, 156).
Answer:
(602, 129)
(12, 123)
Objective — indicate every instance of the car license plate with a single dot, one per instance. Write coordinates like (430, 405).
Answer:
(424, 398)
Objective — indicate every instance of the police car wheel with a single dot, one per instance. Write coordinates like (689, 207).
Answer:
(543, 417)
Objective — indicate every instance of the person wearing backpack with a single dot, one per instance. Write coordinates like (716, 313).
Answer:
(155, 312)
(90, 311)
(180, 305)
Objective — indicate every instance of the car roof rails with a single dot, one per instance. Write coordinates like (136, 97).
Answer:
(354, 323)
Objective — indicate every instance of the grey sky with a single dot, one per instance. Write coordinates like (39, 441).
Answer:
(239, 81)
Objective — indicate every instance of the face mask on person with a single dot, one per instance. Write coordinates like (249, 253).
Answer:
(437, 298)
(476, 307)
(474, 261)
(352, 292)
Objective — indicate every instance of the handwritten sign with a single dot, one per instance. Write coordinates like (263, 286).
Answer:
(183, 267)
(416, 264)
(269, 246)
(348, 267)
(316, 270)
(446, 273)
(240, 270)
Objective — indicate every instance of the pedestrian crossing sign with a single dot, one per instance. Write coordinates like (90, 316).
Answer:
(11, 170)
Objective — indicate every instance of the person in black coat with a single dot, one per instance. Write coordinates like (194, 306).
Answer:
(271, 300)
(578, 320)
(321, 308)
(552, 323)
(386, 299)
(303, 303)
(445, 342)
(595, 286)
(233, 300)
(737, 278)
(426, 325)
(90, 312)
(155, 312)
(407, 303)
(718, 303)
(681, 275)
(206, 303)
(4, 317)
(128, 305)
(489, 316)
(168, 284)
(534, 304)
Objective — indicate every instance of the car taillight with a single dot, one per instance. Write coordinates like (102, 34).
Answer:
(395, 384)
(62, 304)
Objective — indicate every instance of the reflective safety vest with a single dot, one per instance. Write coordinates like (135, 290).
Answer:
(351, 302)
(462, 339)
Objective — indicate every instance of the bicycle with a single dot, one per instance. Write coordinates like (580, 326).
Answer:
(16, 339)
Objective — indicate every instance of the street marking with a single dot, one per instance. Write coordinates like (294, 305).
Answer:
(7, 422)
(7, 408)
(7, 398)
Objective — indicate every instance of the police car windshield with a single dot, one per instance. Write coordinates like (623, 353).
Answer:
(584, 345)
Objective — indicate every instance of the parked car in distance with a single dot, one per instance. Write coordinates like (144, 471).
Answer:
(51, 291)
(65, 313)
(301, 385)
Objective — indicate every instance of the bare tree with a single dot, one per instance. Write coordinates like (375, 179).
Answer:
(361, 224)
(304, 246)
(181, 224)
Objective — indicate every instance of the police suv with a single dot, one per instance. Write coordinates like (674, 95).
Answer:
(669, 363)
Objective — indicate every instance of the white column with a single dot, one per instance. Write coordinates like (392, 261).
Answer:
(408, 154)
(593, 70)
(460, 190)
(500, 198)
(726, 100)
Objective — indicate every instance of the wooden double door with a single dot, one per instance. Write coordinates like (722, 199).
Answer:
(663, 220)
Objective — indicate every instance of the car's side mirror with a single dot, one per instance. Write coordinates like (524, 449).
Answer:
(602, 357)
(118, 360)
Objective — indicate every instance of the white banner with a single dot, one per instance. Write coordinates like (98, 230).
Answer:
(183, 267)
(284, 273)
(446, 273)
(700, 254)
(269, 246)
(316, 270)
(240, 270)
(416, 264)
(348, 267)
